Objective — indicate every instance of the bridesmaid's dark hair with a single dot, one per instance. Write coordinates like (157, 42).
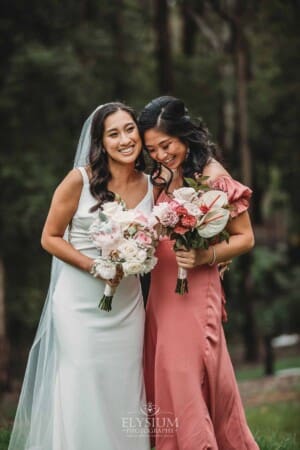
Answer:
(169, 115)
(98, 157)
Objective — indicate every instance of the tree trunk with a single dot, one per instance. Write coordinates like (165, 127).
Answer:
(4, 347)
(241, 56)
(163, 47)
(269, 356)
(241, 65)
(227, 109)
(189, 30)
(117, 27)
(249, 330)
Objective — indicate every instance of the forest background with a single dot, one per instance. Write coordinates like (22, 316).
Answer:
(236, 65)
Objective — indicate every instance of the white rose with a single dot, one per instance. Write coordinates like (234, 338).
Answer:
(105, 235)
(105, 269)
(160, 209)
(185, 194)
(124, 218)
(128, 250)
(150, 264)
(112, 208)
(132, 267)
(213, 222)
(141, 255)
(152, 221)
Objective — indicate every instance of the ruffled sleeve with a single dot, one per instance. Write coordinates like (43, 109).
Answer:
(238, 194)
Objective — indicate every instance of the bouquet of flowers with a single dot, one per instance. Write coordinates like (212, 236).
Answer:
(196, 217)
(126, 241)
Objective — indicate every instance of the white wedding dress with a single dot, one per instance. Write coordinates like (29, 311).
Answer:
(97, 398)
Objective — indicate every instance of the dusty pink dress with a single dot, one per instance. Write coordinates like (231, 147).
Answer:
(191, 388)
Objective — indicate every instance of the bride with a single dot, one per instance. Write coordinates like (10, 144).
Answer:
(84, 374)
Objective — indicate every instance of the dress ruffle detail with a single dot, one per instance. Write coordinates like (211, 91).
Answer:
(238, 194)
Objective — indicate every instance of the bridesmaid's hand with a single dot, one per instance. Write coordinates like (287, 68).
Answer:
(188, 259)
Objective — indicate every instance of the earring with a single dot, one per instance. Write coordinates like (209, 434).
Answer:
(187, 153)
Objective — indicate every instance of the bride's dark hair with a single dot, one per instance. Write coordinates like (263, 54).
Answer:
(98, 157)
(169, 115)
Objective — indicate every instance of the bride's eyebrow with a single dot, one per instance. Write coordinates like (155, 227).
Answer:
(116, 128)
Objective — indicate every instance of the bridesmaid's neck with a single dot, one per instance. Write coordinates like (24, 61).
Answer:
(177, 180)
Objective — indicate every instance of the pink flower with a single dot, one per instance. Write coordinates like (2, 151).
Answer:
(165, 215)
(173, 205)
(181, 211)
(141, 219)
(204, 209)
(188, 221)
(180, 230)
(143, 239)
(169, 219)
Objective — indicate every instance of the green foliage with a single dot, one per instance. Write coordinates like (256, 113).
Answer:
(61, 59)
(4, 439)
(274, 289)
(199, 184)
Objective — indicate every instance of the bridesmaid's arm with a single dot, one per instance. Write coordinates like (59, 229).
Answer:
(63, 206)
(241, 241)
(240, 229)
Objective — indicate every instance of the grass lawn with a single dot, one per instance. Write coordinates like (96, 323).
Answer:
(276, 426)
(272, 407)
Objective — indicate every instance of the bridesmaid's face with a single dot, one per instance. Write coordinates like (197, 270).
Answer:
(121, 138)
(165, 149)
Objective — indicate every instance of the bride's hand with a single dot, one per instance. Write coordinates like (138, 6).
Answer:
(114, 282)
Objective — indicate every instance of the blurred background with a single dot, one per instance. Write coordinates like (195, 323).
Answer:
(236, 65)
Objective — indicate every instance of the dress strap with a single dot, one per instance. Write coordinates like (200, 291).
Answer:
(84, 174)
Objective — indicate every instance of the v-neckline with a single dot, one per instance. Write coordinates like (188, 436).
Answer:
(141, 201)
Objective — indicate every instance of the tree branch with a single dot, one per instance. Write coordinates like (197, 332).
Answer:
(206, 30)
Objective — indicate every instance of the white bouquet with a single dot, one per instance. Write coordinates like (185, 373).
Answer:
(126, 240)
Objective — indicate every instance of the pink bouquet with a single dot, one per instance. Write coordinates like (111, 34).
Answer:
(195, 218)
(126, 240)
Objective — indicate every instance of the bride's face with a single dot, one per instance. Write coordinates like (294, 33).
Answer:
(165, 149)
(121, 138)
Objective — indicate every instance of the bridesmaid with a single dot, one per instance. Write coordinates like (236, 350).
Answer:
(188, 372)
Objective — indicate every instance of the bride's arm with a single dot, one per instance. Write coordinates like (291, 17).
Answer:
(63, 206)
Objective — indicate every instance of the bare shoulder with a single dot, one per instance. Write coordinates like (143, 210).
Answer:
(214, 170)
(88, 171)
(71, 185)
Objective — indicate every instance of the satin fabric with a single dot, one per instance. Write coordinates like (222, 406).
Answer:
(188, 372)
